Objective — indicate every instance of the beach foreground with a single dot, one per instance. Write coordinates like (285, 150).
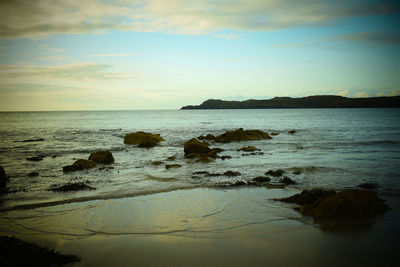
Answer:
(224, 227)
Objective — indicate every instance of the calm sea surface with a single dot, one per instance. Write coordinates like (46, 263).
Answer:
(333, 148)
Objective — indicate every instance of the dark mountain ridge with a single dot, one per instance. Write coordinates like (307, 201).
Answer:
(317, 101)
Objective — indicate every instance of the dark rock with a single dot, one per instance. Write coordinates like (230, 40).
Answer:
(287, 180)
(213, 174)
(207, 137)
(351, 203)
(292, 132)
(231, 173)
(277, 173)
(241, 135)
(173, 166)
(239, 183)
(204, 159)
(70, 187)
(156, 163)
(38, 158)
(32, 140)
(3, 179)
(274, 133)
(226, 157)
(102, 157)
(80, 164)
(308, 196)
(33, 174)
(248, 149)
(275, 186)
(368, 185)
(261, 179)
(171, 158)
(16, 252)
(143, 139)
(195, 146)
(201, 172)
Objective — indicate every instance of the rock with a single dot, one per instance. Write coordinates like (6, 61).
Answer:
(368, 185)
(33, 174)
(296, 172)
(171, 158)
(102, 157)
(308, 196)
(193, 156)
(239, 183)
(226, 157)
(292, 132)
(351, 203)
(274, 186)
(195, 146)
(32, 140)
(38, 158)
(274, 133)
(287, 180)
(70, 187)
(204, 159)
(201, 172)
(209, 174)
(248, 149)
(173, 166)
(207, 137)
(80, 164)
(15, 252)
(156, 163)
(241, 135)
(277, 173)
(143, 139)
(3, 179)
(261, 179)
(231, 173)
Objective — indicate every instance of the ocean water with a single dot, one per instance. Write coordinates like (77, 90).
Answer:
(333, 148)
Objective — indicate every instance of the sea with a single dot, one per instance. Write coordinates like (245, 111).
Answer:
(332, 149)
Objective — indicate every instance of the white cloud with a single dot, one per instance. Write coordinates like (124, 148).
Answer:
(392, 93)
(41, 18)
(343, 93)
(361, 94)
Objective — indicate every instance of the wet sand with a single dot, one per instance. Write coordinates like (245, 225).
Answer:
(198, 227)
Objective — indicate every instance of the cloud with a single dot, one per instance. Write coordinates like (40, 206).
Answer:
(343, 93)
(57, 58)
(69, 72)
(392, 93)
(373, 37)
(112, 55)
(361, 94)
(42, 18)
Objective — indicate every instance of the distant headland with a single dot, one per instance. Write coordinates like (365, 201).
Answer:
(317, 101)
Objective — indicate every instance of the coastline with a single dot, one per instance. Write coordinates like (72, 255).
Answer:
(197, 227)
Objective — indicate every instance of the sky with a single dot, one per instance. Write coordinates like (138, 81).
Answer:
(164, 54)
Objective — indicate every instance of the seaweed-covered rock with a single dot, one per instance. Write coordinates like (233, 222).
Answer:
(142, 139)
(70, 187)
(3, 179)
(172, 166)
(277, 173)
(15, 252)
(351, 203)
(308, 196)
(102, 157)
(241, 135)
(287, 180)
(80, 164)
(248, 149)
(196, 146)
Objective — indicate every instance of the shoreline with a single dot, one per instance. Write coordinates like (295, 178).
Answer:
(229, 227)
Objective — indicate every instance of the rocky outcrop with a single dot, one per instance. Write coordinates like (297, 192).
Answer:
(329, 205)
(102, 157)
(237, 135)
(143, 139)
(277, 173)
(80, 164)
(194, 146)
(3, 179)
(70, 187)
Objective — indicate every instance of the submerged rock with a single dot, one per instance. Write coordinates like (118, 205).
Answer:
(3, 179)
(33, 174)
(231, 173)
(70, 187)
(204, 159)
(226, 157)
(368, 185)
(36, 158)
(195, 146)
(32, 140)
(287, 180)
(102, 157)
(248, 149)
(172, 166)
(274, 133)
(170, 158)
(277, 173)
(80, 164)
(292, 132)
(261, 179)
(143, 139)
(241, 135)
(156, 163)
(16, 252)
